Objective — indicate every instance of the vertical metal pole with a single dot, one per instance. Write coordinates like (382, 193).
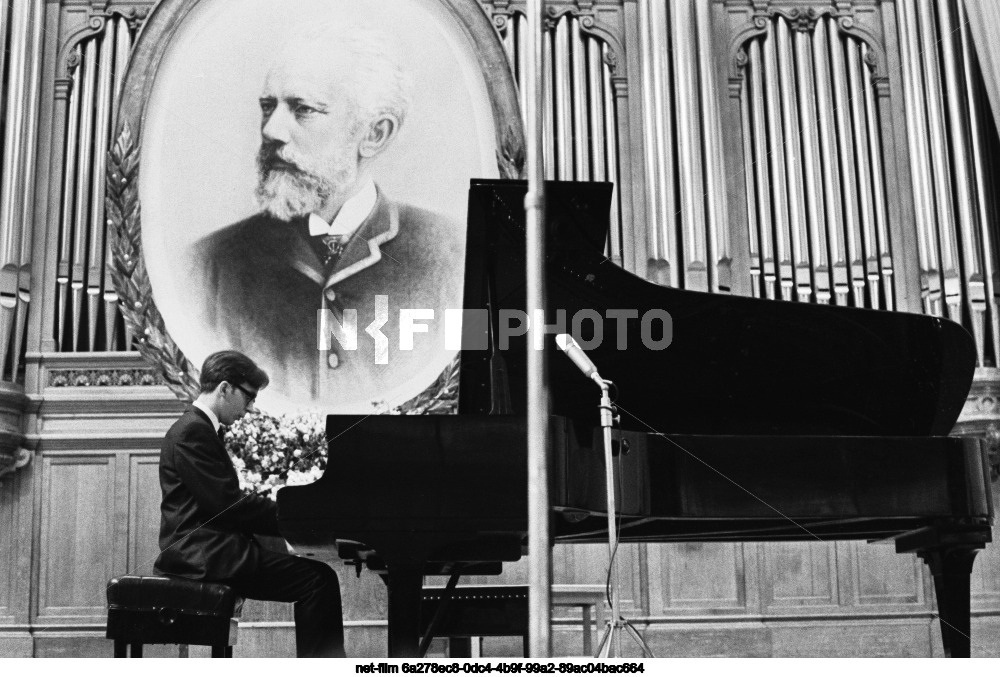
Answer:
(607, 420)
(540, 562)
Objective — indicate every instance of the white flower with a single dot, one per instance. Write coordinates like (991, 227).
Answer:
(265, 449)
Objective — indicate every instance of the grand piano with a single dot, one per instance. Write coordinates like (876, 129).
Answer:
(760, 421)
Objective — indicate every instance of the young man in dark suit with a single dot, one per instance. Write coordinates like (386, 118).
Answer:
(207, 524)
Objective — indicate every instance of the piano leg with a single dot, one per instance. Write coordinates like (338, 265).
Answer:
(406, 583)
(951, 570)
(949, 553)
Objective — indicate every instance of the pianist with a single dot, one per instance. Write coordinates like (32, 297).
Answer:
(207, 525)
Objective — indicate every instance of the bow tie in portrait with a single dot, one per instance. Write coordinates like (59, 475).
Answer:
(334, 245)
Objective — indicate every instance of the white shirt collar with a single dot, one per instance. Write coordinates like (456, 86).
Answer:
(351, 215)
(211, 415)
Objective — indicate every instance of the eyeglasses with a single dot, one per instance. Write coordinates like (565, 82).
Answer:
(250, 395)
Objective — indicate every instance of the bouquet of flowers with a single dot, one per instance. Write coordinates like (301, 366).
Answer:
(270, 452)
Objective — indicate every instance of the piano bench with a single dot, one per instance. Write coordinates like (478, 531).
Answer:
(477, 611)
(160, 610)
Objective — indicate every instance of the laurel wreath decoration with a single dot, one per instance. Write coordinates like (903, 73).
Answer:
(128, 271)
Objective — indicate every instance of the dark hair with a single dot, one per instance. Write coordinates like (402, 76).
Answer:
(231, 366)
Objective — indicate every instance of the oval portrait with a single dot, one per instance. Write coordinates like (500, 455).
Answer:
(303, 176)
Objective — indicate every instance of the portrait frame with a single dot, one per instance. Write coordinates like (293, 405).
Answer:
(128, 263)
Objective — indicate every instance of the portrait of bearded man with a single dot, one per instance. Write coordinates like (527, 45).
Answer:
(327, 237)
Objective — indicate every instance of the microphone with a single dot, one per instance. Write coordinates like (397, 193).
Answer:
(568, 345)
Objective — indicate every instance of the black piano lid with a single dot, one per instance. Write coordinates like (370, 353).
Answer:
(736, 365)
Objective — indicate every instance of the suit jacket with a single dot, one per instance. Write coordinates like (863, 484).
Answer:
(265, 283)
(206, 522)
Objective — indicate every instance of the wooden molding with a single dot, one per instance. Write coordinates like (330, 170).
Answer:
(13, 454)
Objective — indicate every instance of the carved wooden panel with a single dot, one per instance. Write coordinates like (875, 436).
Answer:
(799, 574)
(8, 546)
(880, 576)
(144, 514)
(703, 576)
(986, 571)
(588, 563)
(76, 556)
(585, 563)
(832, 639)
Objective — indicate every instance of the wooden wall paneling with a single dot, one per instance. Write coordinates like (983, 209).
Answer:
(121, 509)
(15, 562)
(8, 546)
(588, 564)
(76, 557)
(986, 578)
(835, 638)
(143, 520)
(580, 563)
(654, 583)
(799, 577)
(629, 577)
(986, 570)
(143, 513)
(753, 577)
(703, 578)
(874, 576)
(689, 617)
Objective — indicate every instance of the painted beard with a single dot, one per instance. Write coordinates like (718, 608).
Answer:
(290, 186)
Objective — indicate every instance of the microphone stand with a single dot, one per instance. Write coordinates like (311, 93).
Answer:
(612, 634)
